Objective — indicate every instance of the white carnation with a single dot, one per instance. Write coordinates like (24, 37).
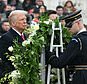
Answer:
(15, 74)
(26, 42)
(10, 48)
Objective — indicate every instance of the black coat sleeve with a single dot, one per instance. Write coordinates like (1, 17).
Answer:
(67, 56)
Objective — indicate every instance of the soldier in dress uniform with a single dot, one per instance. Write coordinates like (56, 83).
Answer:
(75, 55)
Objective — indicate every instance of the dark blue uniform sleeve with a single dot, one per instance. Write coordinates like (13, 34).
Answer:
(68, 55)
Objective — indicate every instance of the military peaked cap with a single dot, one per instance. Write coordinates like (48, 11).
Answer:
(69, 19)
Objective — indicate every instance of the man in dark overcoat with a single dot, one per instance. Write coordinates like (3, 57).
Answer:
(75, 55)
(18, 23)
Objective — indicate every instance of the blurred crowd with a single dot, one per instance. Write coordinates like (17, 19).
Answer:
(35, 9)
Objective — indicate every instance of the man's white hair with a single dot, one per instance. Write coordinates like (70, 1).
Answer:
(18, 11)
(12, 16)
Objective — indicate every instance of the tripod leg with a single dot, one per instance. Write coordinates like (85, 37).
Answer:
(58, 76)
(63, 76)
(58, 71)
(48, 75)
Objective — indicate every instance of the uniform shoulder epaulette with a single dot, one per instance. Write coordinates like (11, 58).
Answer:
(78, 40)
(74, 39)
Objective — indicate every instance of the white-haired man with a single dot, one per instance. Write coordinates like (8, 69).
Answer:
(18, 23)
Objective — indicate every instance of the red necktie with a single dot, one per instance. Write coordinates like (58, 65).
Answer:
(22, 36)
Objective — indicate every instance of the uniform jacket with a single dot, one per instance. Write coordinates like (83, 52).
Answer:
(75, 54)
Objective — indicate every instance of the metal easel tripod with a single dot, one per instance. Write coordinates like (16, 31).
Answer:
(52, 46)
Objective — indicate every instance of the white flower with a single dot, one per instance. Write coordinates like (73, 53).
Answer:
(46, 22)
(10, 48)
(26, 42)
(12, 58)
(50, 20)
(15, 74)
(42, 38)
(32, 52)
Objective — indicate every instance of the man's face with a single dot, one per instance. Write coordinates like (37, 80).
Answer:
(59, 11)
(36, 15)
(74, 29)
(5, 26)
(39, 2)
(21, 22)
(42, 9)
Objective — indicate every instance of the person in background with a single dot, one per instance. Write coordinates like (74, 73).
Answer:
(69, 7)
(2, 10)
(12, 5)
(52, 14)
(74, 56)
(36, 15)
(2, 6)
(5, 26)
(60, 11)
(18, 23)
(30, 15)
(15, 4)
(42, 9)
(38, 3)
(5, 1)
(27, 4)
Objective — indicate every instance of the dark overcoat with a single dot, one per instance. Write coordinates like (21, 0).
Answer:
(6, 40)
